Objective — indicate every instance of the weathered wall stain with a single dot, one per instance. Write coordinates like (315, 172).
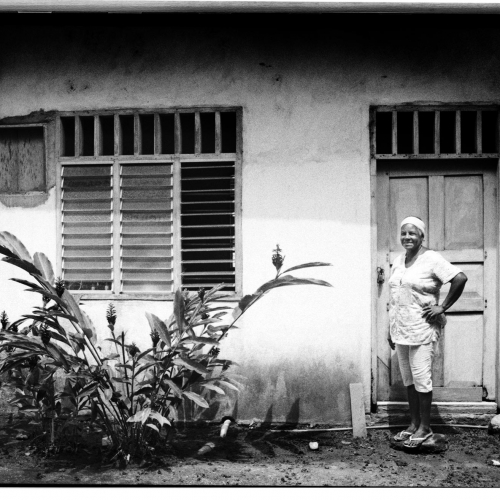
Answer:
(297, 391)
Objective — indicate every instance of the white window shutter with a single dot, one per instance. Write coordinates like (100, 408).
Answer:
(87, 226)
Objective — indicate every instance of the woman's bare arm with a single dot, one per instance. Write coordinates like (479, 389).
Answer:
(457, 287)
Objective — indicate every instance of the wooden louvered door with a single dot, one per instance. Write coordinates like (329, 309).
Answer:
(457, 201)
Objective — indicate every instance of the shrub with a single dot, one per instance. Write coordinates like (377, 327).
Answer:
(131, 395)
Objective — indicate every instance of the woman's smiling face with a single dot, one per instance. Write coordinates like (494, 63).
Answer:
(411, 237)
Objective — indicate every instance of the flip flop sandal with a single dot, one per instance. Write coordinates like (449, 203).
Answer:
(413, 443)
(402, 436)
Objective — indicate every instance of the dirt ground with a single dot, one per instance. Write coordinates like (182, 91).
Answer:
(261, 457)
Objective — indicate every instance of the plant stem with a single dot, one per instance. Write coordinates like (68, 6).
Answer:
(124, 361)
(132, 388)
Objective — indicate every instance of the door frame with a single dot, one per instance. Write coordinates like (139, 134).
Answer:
(374, 220)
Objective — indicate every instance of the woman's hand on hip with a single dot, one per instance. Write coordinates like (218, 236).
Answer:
(431, 312)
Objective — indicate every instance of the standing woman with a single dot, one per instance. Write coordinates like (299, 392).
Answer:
(416, 319)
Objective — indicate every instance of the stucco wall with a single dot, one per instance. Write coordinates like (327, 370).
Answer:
(306, 185)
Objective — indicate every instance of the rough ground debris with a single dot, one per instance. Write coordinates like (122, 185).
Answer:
(262, 458)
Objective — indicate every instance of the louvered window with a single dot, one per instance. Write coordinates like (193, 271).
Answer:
(150, 202)
(208, 224)
(146, 228)
(87, 231)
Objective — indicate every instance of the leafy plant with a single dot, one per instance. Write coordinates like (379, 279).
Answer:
(132, 396)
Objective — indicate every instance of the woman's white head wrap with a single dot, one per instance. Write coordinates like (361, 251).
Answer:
(416, 222)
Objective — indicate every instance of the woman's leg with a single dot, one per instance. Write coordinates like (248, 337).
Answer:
(403, 352)
(421, 367)
(414, 404)
(425, 400)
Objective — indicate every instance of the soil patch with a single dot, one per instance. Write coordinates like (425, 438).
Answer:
(261, 457)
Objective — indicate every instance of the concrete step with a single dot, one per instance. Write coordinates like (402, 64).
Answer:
(464, 413)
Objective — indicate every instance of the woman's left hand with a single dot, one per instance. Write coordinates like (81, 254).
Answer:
(431, 312)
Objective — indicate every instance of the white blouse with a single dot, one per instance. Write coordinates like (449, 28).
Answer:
(413, 288)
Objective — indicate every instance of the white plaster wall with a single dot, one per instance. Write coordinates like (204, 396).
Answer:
(36, 228)
(306, 181)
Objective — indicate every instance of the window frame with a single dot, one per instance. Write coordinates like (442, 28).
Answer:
(176, 159)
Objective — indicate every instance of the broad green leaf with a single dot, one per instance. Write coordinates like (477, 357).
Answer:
(309, 264)
(140, 416)
(160, 418)
(245, 303)
(87, 390)
(146, 389)
(57, 355)
(211, 329)
(44, 266)
(60, 314)
(115, 341)
(205, 322)
(197, 399)
(147, 381)
(200, 340)
(290, 280)
(150, 359)
(182, 361)
(153, 426)
(16, 246)
(214, 290)
(89, 328)
(120, 365)
(175, 388)
(220, 315)
(28, 283)
(51, 296)
(145, 367)
(122, 380)
(107, 393)
(59, 337)
(145, 353)
(7, 250)
(83, 319)
(221, 298)
(214, 388)
(221, 308)
(77, 336)
(23, 264)
(48, 320)
(73, 306)
(228, 385)
(155, 323)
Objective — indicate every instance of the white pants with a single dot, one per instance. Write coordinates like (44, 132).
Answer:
(415, 363)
